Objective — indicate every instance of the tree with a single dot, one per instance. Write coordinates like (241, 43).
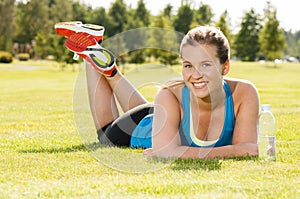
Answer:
(164, 40)
(292, 47)
(61, 10)
(167, 11)
(57, 14)
(32, 18)
(204, 14)
(80, 12)
(183, 19)
(100, 17)
(119, 17)
(141, 13)
(271, 38)
(135, 40)
(223, 24)
(6, 24)
(246, 43)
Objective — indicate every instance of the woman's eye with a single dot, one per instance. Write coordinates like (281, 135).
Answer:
(188, 66)
(205, 65)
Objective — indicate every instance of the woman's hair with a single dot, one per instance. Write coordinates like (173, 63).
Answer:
(208, 35)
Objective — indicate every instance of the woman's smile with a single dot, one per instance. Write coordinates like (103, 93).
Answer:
(200, 85)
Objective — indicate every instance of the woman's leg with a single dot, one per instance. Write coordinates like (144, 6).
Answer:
(118, 133)
(102, 102)
(102, 92)
(127, 95)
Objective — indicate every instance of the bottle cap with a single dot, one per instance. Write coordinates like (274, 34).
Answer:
(265, 107)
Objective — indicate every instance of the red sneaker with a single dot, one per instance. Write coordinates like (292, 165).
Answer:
(87, 47)
(68, 28)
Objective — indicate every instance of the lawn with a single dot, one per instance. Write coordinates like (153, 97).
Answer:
(48, 149)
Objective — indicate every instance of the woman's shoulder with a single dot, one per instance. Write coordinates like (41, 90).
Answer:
(169, 99)
(242, 90)
(240, 85)
(170, 92)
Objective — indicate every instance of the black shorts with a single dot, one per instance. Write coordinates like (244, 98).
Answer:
(118, 132)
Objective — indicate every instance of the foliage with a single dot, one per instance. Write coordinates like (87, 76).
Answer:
(34, 16)
(81, 13)
(203, 15)
(271, 38)
(119, 17)
(223, 24)
(7, 13)
(101, 17)
(183, 19)
(246, 43)
(167, 42)
(167, 11)
(292, 43)
(31, 22)
(5, 57)
(137, 56)
(23, 56)
(142, 14)
(168, 58)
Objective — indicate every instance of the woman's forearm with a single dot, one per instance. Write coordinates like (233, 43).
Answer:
(241, 149)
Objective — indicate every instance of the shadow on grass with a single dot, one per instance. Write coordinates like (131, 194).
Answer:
(82, 147)
(244, 158)
(70, 149)
(204, 164)
(174, 163)
(196, 164)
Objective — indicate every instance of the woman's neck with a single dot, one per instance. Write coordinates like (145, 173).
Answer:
(214, 101)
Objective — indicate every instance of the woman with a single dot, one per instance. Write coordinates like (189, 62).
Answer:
(203, 116)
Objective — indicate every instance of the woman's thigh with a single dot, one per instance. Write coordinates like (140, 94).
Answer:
(118, 133)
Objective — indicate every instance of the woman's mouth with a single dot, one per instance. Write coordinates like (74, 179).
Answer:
(199, 85)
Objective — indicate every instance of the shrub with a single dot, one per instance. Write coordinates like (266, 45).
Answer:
(5, 57)
(23, 56)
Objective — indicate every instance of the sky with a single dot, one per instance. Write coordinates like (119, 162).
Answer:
(287, 12)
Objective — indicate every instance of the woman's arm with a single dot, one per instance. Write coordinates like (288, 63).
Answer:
(236, 150)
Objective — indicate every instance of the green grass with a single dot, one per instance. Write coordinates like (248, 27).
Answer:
(43, 156)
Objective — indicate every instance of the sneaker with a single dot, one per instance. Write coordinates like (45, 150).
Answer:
(68, 28)
(87, 47)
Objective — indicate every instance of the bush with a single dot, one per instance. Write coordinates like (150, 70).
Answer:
(23, 56)
(5, 57)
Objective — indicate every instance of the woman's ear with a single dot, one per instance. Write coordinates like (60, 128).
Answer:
(226, 67)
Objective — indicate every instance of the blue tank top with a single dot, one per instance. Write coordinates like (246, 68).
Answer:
(141, 136)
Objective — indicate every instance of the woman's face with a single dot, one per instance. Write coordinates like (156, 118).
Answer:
(202, 70)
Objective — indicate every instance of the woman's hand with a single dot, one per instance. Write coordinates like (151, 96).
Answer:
(159, 153)
(247, 148)
(148, 152)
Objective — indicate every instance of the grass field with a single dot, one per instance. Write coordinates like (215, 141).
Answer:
(42, 155)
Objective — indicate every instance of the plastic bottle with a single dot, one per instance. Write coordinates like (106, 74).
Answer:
(267, 134)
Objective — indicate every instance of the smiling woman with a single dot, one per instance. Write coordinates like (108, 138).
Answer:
(205, 115)
(217, 116)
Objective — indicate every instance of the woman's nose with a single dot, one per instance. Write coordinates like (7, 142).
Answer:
(197, 73)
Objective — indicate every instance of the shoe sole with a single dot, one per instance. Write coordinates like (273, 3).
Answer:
(87, 47)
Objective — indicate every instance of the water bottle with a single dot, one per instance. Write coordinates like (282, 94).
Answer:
(266, 134)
